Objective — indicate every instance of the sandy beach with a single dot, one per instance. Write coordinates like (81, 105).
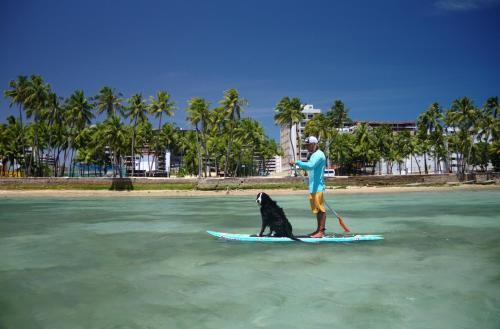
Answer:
(197, 193)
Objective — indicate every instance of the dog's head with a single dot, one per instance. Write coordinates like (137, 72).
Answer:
(263, 199)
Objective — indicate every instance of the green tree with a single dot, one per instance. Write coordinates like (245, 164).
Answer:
(54, 115)
(365, 148)
(35, 101)
(384, 141)
(109, 101)
(492, 107)
(288, 113)
(161, 105)
(338, 114)
(17, 95)
(321, 127)
(78, 115)
(143, 139)
(342, 152)
(428, 123)
(136, 112)
(115, 135)
(164, 139)
(232, 105)
(462, 116)
(197, 114)
(249, 134)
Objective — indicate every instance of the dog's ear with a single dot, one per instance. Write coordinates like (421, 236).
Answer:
(259, 198)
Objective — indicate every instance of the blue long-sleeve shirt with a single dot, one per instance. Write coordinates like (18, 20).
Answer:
(316, 168)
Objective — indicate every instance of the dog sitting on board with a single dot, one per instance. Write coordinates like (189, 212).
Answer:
(273, 217)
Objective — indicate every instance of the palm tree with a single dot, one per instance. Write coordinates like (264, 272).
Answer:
(11, 136)
(136, 111)
(187, 145)
(288, 112)
(17, 95)
(233, 106)
(338, 114)
(144, 137)
(54, 115)
(161, 105)
(250, 134)
(35, 101)
(415, 148)
(321, 127)
(78, 116)
(492, 106)
(164, 140)
(463, 115)
(215, 139)
(365, 148)
(428, 122)
(342, 152)
(197, 113)
(110, 101)
(403, 149)
(487, 119)
(115, 134)
(384, 140)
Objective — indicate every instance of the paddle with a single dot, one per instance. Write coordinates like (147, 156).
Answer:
(341, 221)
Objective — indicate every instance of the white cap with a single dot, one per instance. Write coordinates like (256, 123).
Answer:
(311, 140)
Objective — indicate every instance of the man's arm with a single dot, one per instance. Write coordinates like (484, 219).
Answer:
(309, 165)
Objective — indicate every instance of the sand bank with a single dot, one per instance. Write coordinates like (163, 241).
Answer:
(197, 193)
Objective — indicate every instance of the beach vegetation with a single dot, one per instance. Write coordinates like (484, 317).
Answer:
(49, 135)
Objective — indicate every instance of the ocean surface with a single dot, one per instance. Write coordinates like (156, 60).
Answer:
(122, 263)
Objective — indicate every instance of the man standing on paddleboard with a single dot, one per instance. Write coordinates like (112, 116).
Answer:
(316, 169)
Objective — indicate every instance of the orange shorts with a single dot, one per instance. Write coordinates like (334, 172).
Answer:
(317, 202)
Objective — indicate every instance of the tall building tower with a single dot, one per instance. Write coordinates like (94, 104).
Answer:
(297, 131)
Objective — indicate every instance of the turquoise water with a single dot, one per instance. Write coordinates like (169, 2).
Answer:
(148, 263)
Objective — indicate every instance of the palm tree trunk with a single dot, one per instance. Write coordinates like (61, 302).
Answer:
(132, 155)
(25, 169)
(291, 143)
(418, 165)
(198, 146)
(425, 163)
(226, 165)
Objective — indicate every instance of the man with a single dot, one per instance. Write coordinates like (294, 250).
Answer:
(315, 168)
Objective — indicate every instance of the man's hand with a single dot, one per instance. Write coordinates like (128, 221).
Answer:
(292, 163)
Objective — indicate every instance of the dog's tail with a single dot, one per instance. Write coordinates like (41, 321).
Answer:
(294, 238)
(290, 235)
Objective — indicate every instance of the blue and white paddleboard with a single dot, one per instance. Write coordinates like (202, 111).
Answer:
(327, 238)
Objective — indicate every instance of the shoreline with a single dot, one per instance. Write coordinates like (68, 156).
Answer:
(239, 192)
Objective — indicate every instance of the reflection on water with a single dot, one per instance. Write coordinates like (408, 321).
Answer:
(148, 263)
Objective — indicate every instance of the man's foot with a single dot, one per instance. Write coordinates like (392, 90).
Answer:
(315, 232)
(318, 234)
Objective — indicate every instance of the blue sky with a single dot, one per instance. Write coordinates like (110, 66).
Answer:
(386, 60)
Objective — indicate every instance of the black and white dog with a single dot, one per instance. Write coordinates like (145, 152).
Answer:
(273, 217)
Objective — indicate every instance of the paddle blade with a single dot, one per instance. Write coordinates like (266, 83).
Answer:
(341, 222)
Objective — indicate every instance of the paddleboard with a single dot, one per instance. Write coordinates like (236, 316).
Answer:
(327, 238)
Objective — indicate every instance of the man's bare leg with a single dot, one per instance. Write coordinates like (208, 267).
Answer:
(320, 230)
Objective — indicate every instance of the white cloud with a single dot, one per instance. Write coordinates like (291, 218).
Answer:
(465, 5)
